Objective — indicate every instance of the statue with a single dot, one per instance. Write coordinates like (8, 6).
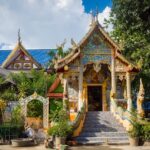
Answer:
(140, 100)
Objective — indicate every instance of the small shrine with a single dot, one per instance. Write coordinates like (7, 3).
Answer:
(94, 71)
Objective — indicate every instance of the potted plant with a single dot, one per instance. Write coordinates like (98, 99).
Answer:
(60, 130)
(134, 134)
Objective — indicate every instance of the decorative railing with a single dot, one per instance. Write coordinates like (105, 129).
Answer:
(121, 113)
(77, 124)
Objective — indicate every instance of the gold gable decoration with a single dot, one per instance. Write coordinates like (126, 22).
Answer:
(78, 48)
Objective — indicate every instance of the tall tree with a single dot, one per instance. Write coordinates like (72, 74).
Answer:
(131, 29)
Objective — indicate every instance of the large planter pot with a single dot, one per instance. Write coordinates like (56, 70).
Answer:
(59, 141)
(134, 141)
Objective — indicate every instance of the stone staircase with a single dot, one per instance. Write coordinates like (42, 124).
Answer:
(102, 127)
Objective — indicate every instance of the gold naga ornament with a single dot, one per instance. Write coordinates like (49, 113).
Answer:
(140, 100)
(2, 104)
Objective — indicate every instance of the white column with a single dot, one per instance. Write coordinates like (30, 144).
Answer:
(80, 101)
(65, 87)
(65, 94)
(129, 100)
(113, 75)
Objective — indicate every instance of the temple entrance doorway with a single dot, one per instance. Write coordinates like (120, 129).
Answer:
(94, 98)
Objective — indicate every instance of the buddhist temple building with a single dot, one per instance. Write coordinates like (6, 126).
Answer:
(21, 59)
(94, 71)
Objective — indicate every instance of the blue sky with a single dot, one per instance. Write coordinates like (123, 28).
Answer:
(92, 4)
(46, 23)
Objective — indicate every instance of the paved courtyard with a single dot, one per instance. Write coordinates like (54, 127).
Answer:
(102, 147)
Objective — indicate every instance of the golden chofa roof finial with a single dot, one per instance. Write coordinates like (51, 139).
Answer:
(94, 16)
(19, 37)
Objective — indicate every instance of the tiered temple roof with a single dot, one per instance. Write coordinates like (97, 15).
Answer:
(76, 51)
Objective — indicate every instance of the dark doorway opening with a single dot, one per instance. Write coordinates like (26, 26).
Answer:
(94, 98)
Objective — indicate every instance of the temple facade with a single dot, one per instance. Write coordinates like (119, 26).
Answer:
(94, 72)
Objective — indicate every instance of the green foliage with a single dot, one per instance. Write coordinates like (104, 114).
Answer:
(59, 115)
(1, 80)
(61, 129)
(55, 105)
(8, 94)
(27, 84)
(10, 130)
(131, 29)
(146, 132)
(136, 130)
(35, 109)
(59, 89)
(17, 117)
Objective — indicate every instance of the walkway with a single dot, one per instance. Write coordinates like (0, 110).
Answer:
(102, 147)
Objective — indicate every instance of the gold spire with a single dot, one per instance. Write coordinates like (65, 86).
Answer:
(141, 89)
(94, 16)
(19, 37)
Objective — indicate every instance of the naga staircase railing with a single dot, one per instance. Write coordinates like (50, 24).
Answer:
(77, 124)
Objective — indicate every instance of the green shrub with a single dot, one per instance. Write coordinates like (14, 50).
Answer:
(17, 117)
(59, 115)
(10, 130)
(146, 132)
(60, 129)
(35, 109)
(136, 130)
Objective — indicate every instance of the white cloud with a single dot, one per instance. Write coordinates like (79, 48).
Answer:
(105, 15)
(43, 23)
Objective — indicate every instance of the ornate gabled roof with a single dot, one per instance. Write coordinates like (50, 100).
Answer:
(76, 50)
(42, 56)
(11, 56)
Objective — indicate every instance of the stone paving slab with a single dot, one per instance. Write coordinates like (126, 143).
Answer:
(96, 147)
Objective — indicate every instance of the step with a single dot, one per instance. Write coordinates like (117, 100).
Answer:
(100, 140)
(102, 129)
(85, 142)
(103, 134)
(91, 125)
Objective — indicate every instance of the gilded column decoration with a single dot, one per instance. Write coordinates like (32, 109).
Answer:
(140, 100)
(129, 100)
(105, 105)
(80, 101)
